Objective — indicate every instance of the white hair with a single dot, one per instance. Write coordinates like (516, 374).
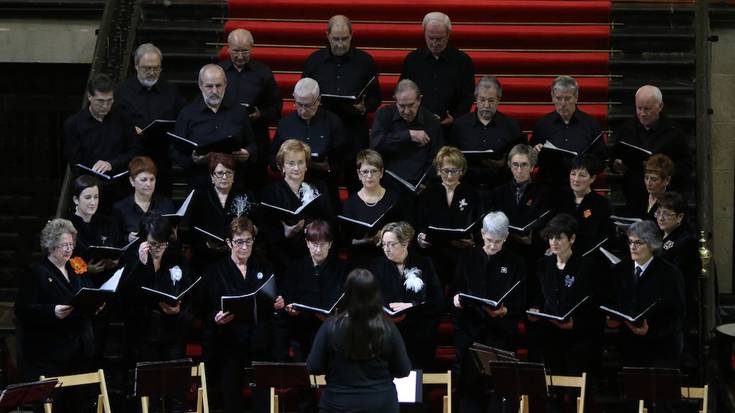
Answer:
(565, 83)
(654, 91)
(437, 16)
(496, 224)
(144, 49)
(306, 87)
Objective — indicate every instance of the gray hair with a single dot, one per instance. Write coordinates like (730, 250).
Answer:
(496, 224)
(437, 16)
(306, 87)
(647, 232)
(144, 49)
(523, 149)
(339, 21)
(213, 67)
(405, 85)
(565, 83)
(489, 82)
(654, 91)
(53, 230)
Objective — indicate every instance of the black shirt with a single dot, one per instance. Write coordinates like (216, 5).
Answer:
(534, 201)
(315, 285)
(256, 86)
(393, 289)
(128, 214)
(100, 230)
(390, 136)
(199, 123)
(87, 140)
(447, 83)
(664, 137)
(581, 134)
(499, 135)
(323, 133)
(593, 216)
(143, 105)
(358, 385)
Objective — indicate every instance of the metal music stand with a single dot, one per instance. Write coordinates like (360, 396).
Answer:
(483, 355)
(651, 384)
(17, 395)
(280, 375)
(519, 379)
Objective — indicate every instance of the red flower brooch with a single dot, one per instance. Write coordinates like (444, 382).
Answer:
(587, 213)
(78, 265)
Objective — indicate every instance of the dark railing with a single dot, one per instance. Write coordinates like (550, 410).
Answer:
(112, 53)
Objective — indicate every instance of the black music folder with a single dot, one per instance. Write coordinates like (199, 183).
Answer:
(226, 144)
(169, 299)
(106, 176)
(467, 299)
(316, 310)
(561, 318)
(636, 319)
(245, 307)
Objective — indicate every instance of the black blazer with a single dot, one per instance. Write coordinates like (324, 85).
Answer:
(432, 209)
(535, 201)
(593, 216)
(48, 341)
(393, 290)
(318, 286)
(563, 289)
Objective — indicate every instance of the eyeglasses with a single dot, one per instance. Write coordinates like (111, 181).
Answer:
(295, 164)
(240, 51)
(157, 246)
(67, 246)
(368, 172)
(223, 174)
(449, 171)
(150, 68)
(664, 214)
(391, 245)
(240, 243)
(635, 243)
(521, 165)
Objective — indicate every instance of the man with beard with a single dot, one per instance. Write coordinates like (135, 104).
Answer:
(250, 84)
(146, 97)
(486, 136)
(207, 121)
(343, 70)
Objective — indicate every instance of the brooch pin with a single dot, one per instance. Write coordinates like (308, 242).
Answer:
(462, 204)
(259, 276)
(668, 244)
(568, 280)
(587, 213)
(504, 270)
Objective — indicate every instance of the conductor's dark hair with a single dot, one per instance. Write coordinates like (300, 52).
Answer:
(560, 224)
(100, 83)
(364, 324)
(588, 162)
(83, 182)
(156, 225)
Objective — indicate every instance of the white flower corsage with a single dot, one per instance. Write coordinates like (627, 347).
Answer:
(175, 274)
(240, 206)
(462, 204)
(413, 281)
(307, 193)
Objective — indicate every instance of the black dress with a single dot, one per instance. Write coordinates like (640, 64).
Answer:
(593, 217)
(127, 213)
(282, 250)
(661, 282)
(487, 276)
(567, 351)
(364, 386)
(153, 335)
(419, 327)
(432, 210)
(231, 347)
(206, 212)
(317, 286)
(401, 209)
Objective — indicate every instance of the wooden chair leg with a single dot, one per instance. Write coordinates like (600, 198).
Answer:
(144, 404)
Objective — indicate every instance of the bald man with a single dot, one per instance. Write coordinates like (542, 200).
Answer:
(251, 84)
(445, 75)
(341, 69)
(207, 119)
(653, 132)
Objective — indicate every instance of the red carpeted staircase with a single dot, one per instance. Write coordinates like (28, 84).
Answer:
(525, 44)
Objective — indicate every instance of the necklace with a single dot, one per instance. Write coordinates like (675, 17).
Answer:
(369, 204)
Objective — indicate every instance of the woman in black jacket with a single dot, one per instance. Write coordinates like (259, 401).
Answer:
(360, 351)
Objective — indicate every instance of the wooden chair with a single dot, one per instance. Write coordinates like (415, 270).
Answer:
(578, 382)
(687, 393)
(428, 378)
(103, 400)
(202, 405)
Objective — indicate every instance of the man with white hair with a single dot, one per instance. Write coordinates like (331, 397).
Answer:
(650, 132)
(445, 75)
(146, 97)
(209, 119)
(251, 84)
